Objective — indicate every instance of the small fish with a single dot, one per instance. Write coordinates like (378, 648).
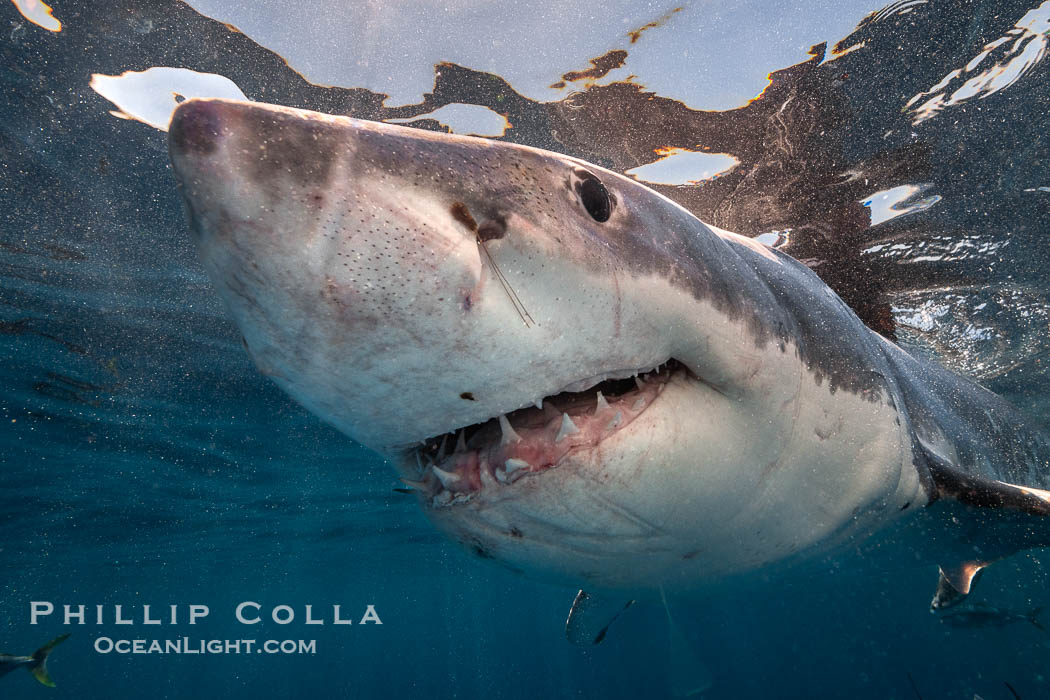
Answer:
(35, 664)
(981, 615)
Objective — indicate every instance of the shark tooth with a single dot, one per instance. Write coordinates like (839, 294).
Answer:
(444, 444)
(509, 435)
(448, 479)
(639, 382)
(538, 403)
(486, 477)
(639, 404)
(513, 465)
(461, 442)
(602, 404)
(567, 428)
(615, 422)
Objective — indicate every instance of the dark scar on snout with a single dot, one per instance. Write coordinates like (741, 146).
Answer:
(461, 213)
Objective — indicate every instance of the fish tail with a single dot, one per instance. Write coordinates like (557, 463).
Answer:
(39, 665)
(1033, 617)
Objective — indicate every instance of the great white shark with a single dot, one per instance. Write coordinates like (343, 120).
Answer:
(578, 377)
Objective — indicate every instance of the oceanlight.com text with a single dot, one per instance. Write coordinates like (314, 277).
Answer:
(186, 645)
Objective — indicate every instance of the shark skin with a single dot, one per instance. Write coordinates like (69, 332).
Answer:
(580, 379)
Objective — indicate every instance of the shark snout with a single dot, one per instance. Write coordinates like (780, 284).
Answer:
(261, 147)
(196, 127)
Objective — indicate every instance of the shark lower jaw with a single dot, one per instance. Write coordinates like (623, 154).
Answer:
(458, 466)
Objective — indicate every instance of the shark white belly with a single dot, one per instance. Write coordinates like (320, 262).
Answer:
(579, 378)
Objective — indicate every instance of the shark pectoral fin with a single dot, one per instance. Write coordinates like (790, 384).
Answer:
(590, 617)
(39, 666)
(983, 520)
(954, 584)
(951, 482)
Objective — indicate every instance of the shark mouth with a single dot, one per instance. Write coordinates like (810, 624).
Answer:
(456, 466)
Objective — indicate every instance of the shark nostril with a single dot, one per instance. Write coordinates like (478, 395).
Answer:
(492, 229)
(461, 213)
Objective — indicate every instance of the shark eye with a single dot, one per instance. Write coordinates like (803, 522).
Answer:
(594, 197)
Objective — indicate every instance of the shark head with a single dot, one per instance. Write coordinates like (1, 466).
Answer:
(544, 349)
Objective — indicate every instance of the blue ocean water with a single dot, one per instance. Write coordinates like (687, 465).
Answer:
(144, 460)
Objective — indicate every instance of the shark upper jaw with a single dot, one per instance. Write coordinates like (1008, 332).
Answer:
(456, 467)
